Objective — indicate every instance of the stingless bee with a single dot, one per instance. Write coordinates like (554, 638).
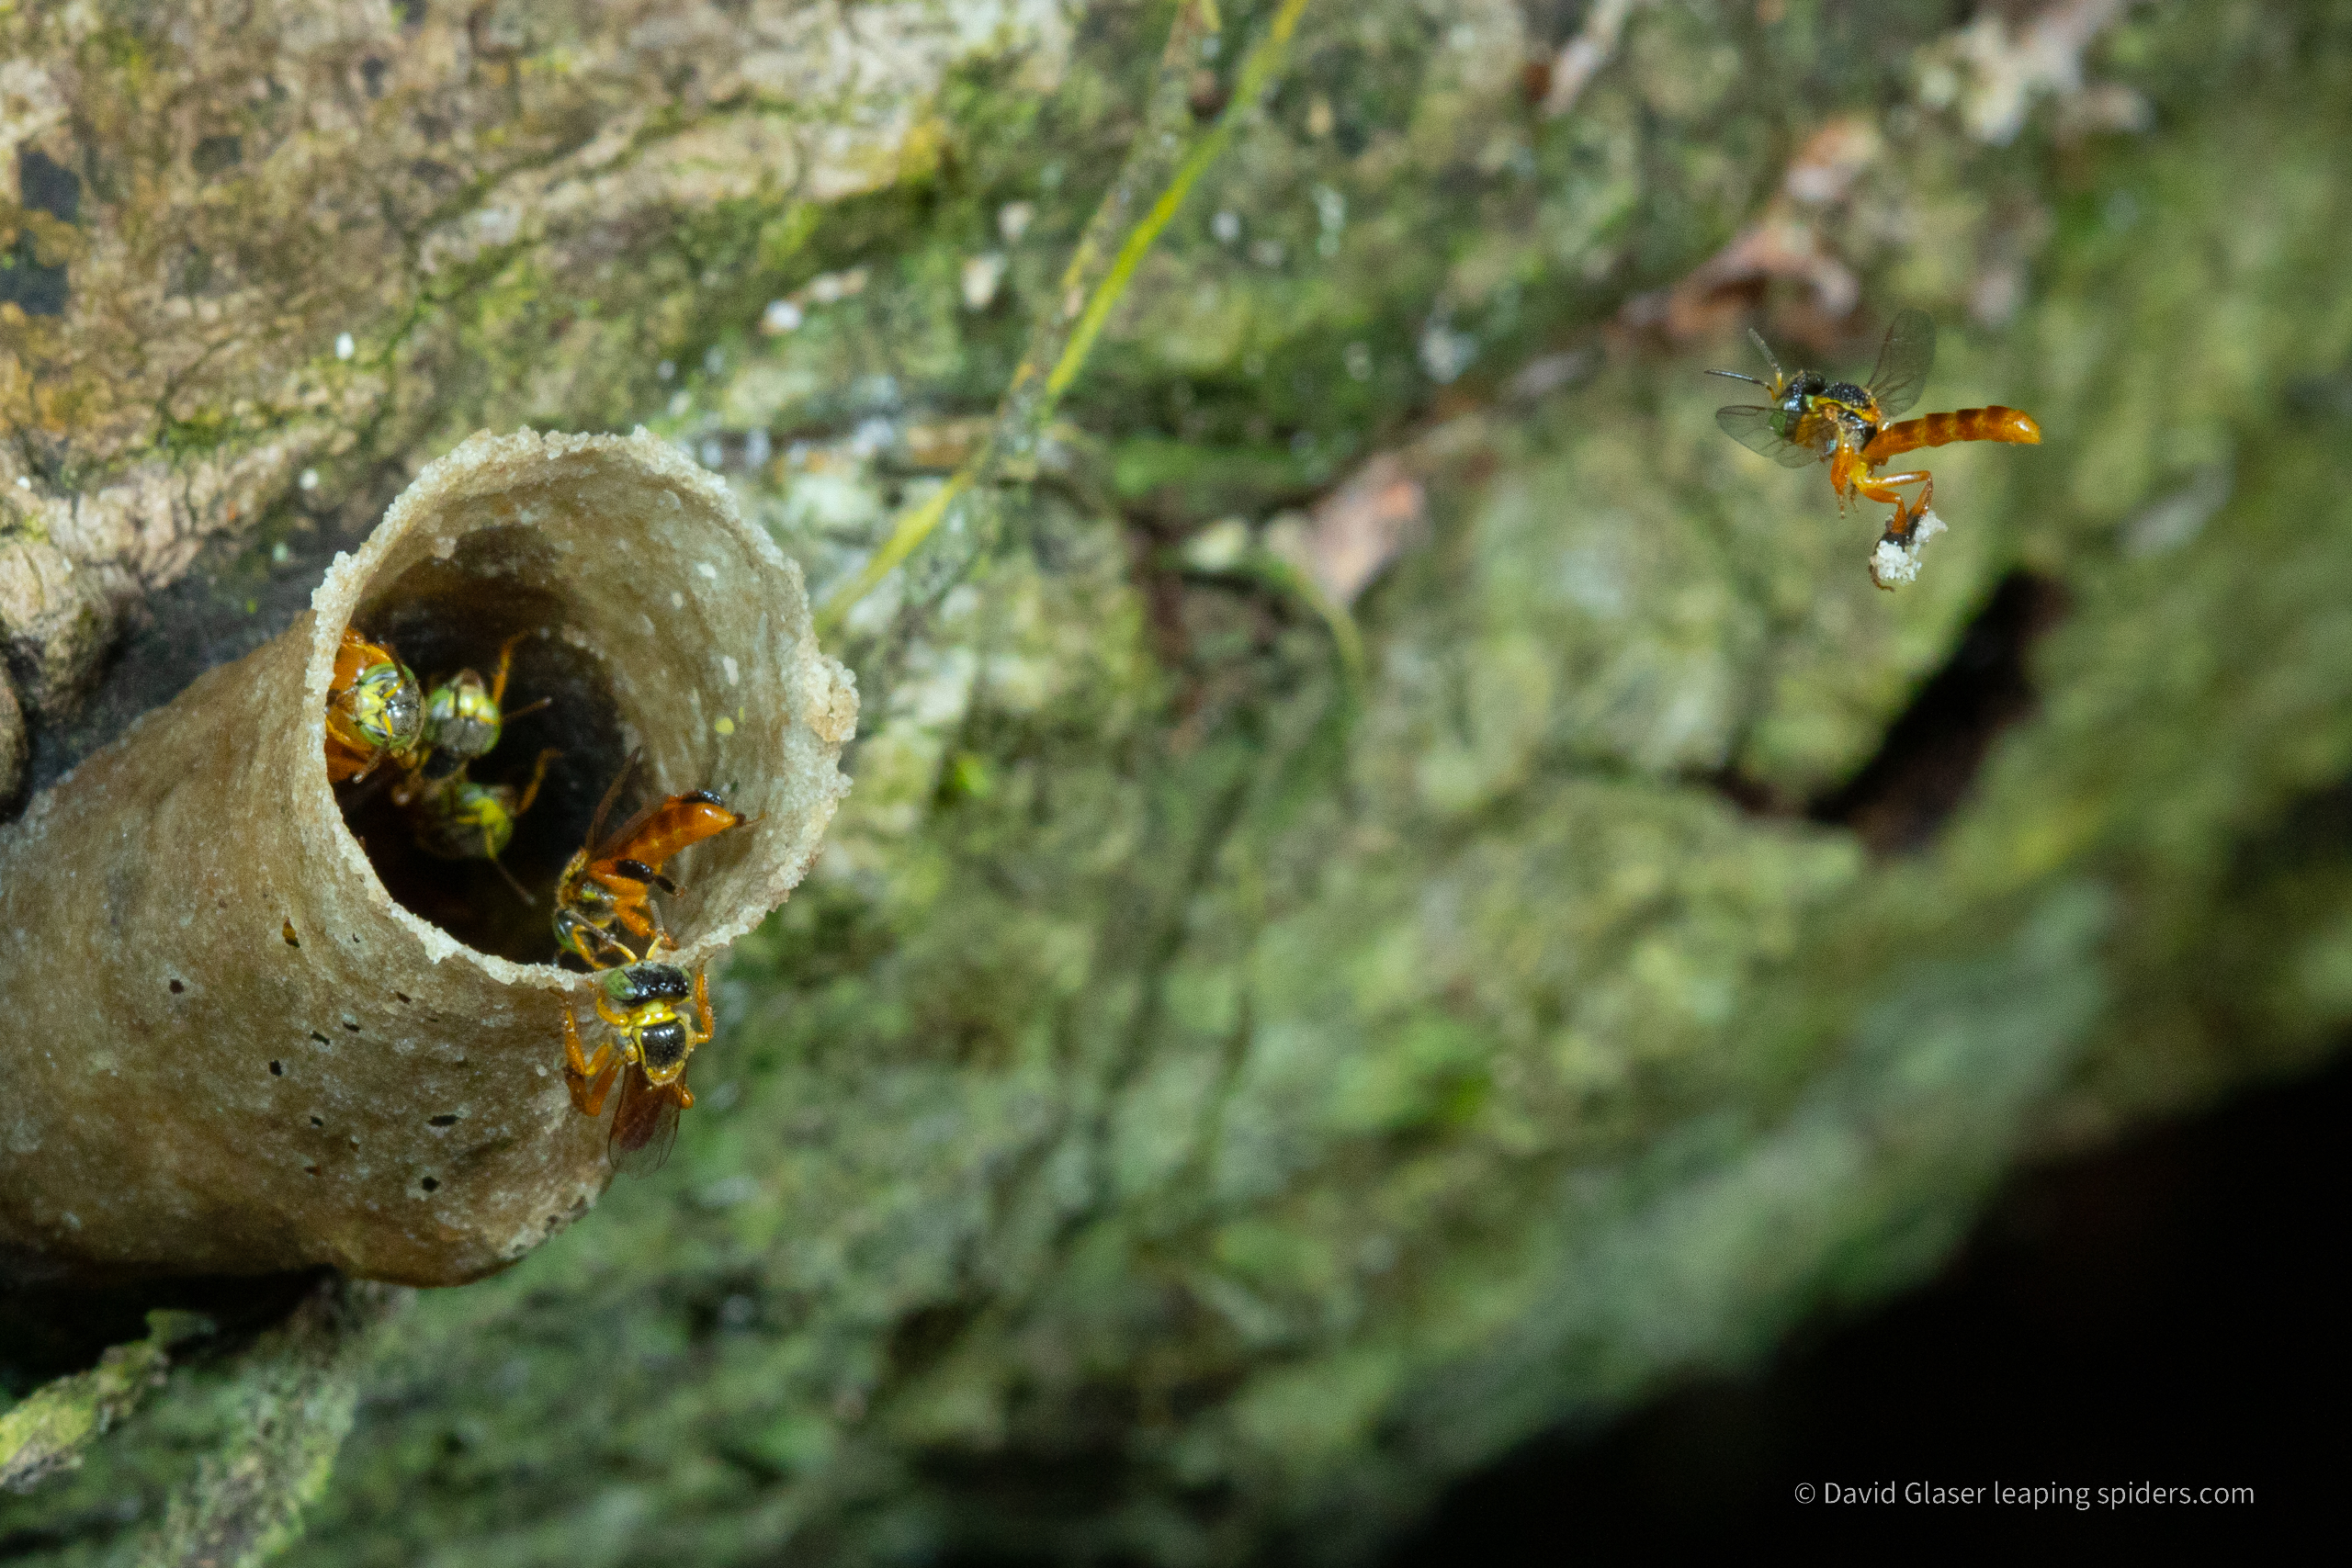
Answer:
(373, 710)
(610, 884)
(1810, 418)
(644, 1005)
(454, 818)
(464, 717)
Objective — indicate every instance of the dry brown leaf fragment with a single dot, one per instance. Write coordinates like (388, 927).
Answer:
(1356, 531)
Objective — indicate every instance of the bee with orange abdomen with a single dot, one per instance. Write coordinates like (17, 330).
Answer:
(373, 710)
(644, 1005)
(1811, 418)
(604, 897)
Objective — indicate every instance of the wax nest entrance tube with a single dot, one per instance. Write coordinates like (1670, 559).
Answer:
(252, 1029)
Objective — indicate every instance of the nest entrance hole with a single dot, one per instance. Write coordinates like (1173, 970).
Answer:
(444, 615)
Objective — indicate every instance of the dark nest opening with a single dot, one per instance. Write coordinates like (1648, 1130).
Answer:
(442, 616)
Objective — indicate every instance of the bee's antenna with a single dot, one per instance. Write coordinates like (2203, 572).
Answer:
(1766, 350)
(500, 866)
(1737, 377)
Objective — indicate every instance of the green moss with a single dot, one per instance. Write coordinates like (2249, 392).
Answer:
(46, 1432)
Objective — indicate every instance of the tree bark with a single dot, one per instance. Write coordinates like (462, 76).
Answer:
(1390, 898)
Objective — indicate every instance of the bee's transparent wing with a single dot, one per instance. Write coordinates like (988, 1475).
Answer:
(1903, 361)
(645, 1124)
(598, 839)
(1750, 425)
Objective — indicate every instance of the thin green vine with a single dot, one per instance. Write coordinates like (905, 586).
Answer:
(1066, 326)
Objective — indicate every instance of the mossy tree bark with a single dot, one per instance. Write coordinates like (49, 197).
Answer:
(1261, 1043)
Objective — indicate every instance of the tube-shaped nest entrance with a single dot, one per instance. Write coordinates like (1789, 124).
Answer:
(249, 1035)
(646, 606)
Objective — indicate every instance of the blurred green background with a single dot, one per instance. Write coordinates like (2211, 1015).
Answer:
(1267, 1035)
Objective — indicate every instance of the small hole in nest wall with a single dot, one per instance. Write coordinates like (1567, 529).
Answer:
(178, 987)
(277, 1069)
(286, 931)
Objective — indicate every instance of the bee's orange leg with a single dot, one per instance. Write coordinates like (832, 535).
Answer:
(590, 1078)
(702, 1005)
(1898, 527)
(1847, 472)
(1881, 487)
(642, 921)
(630, 910)
(539, 771)
(612, 953)
(506, 662)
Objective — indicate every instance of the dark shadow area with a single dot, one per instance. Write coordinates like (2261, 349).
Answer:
(1928, 758)
(2170, 1311)
(237, 596)
(49, 1332)
(36, 288)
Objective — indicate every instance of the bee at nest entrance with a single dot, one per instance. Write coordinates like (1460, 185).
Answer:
(473, 836)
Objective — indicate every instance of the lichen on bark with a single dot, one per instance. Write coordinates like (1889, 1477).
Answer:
(1204, 1099)
(45, 1434)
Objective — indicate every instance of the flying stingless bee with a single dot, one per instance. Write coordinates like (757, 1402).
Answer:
(373, 710)
(610, 883)
(1810, 418)
(645, 1007)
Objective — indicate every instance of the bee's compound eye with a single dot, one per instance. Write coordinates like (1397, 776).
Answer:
(397, 713)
